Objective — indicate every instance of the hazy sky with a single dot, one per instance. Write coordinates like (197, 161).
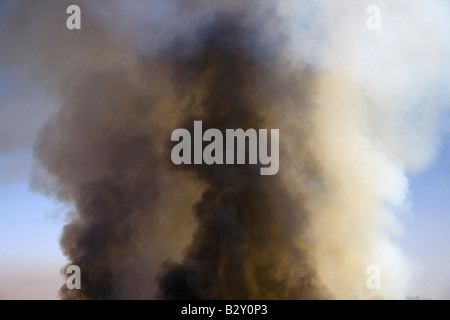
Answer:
(31, 223)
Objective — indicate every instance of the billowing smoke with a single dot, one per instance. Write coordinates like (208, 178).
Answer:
(357, 110)
(247, 243)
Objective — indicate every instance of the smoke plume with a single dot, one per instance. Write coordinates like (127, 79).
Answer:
(247, 243)
(354, 120)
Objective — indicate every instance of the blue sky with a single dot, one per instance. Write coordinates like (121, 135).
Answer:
(30, 223)
(426, 240)
(30, 258)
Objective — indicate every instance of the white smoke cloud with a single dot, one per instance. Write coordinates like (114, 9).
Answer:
(379, 117)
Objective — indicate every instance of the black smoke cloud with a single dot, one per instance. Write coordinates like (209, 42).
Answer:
(244, 244)
(107, 150)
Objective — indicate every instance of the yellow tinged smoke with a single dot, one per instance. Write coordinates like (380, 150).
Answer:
(352, 225)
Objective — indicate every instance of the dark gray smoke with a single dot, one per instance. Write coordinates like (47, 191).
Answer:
(244, 245)
(108, 150)
(104, 158)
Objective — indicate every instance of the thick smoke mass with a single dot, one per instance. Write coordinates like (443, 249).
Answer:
(354, 120)
(245, 244)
